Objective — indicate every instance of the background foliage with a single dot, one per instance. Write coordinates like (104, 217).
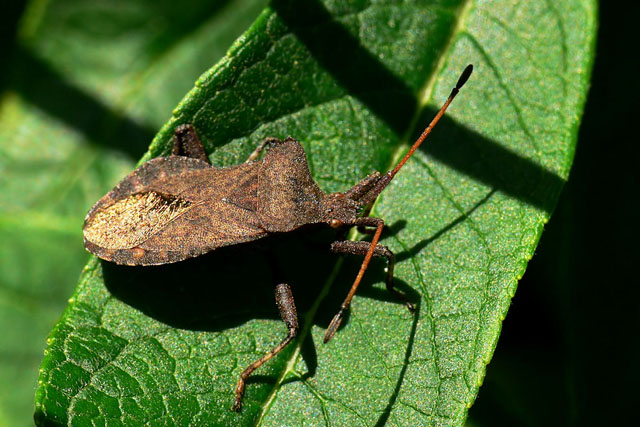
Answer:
(48, 219)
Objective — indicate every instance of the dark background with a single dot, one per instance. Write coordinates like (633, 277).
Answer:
(568, 352)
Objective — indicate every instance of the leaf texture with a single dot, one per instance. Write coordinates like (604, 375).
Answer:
(354, 83)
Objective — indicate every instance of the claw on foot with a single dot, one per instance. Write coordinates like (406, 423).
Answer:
(333, 326)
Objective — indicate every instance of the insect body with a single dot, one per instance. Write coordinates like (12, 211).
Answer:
(177, 207)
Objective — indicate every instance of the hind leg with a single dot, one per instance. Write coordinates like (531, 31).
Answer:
(287, 307)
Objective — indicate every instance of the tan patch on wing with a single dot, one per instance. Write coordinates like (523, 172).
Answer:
(132, 220)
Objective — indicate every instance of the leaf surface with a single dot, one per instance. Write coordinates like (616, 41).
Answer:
(354, 83)
(72, 123)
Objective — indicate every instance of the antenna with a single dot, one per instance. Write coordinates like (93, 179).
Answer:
(461, 81)
(372, 194)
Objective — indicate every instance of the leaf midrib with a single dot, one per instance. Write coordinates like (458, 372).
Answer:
(425, 92)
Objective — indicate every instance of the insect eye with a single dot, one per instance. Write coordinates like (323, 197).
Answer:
(335, 223)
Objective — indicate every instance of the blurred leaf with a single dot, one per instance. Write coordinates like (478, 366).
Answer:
(355, 83)
(75, 111)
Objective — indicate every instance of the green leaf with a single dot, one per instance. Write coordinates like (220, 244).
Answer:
(72, 122)
(355, 83)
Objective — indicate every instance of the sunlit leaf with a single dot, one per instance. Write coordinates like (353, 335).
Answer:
(354, 83)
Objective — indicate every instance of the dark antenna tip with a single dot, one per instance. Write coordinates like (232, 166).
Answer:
(464, 76)
(389, 176)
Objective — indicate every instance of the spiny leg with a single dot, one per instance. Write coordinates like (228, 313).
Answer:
(186, 143)
(361, 248)
(287, 307)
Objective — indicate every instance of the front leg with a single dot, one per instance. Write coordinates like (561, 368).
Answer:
(365, 213)
(369, 250)
(287, 307)
(186, 143)
(361, 248)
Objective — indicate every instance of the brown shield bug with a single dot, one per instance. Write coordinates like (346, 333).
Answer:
(177, 207)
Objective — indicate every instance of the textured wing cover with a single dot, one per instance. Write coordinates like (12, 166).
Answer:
(173, 208)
